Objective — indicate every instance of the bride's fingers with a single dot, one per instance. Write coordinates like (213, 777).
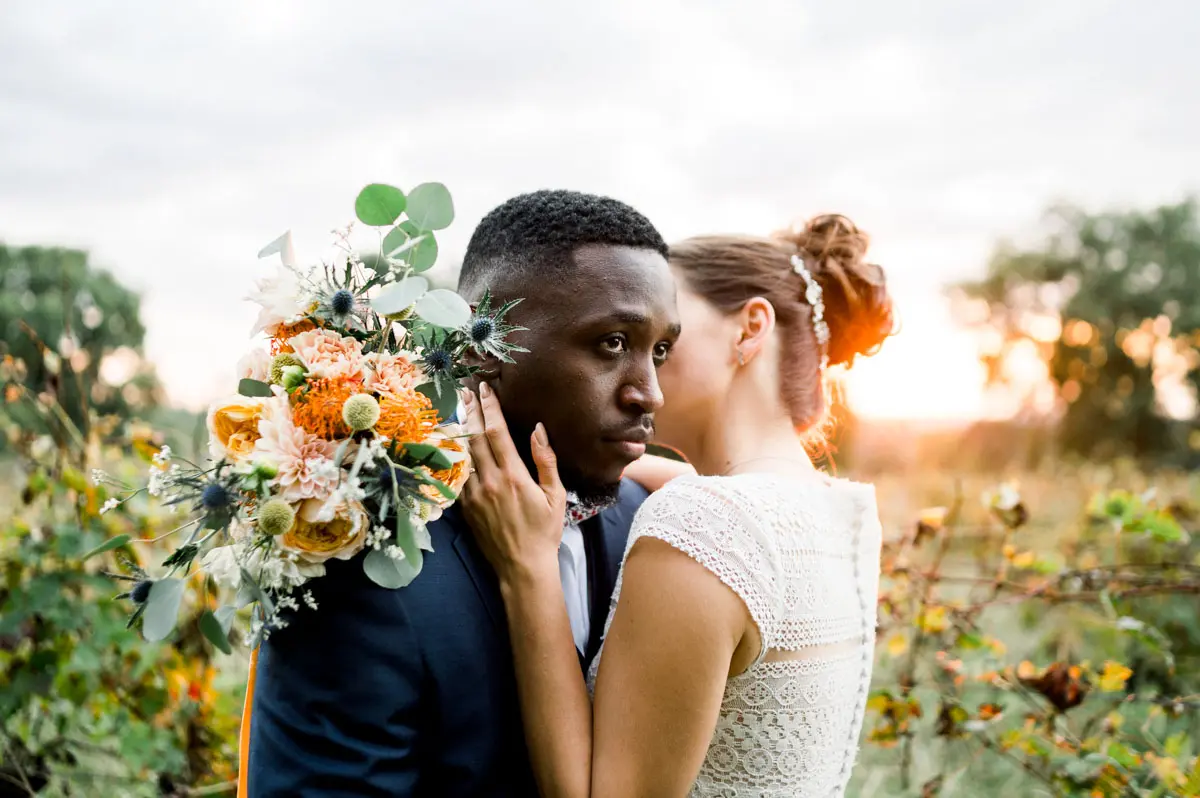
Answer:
(481, 452)
(547, 465)
(503, 449)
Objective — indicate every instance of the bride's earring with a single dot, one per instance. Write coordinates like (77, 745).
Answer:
(741, 357)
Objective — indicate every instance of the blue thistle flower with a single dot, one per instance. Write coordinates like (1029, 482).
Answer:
(215, 497)
(342, 302)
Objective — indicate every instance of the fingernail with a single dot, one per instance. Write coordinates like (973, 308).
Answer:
(539, 432)
(466, 396)
(484, 389)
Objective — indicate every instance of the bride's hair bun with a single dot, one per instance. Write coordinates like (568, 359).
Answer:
(858, 308)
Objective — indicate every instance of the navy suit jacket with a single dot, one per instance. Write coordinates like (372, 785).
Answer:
(408, 693)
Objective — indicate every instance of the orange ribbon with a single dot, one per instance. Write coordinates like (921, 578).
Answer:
(244, 737)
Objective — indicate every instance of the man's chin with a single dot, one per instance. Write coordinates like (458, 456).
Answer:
(590, 488)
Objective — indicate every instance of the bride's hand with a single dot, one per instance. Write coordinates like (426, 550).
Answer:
(518, 522)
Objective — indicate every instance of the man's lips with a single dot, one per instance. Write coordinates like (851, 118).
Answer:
(631, 442)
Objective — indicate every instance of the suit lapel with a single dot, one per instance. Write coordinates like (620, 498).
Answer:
(477, 568)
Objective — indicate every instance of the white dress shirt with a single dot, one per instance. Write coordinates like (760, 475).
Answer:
(572, 569)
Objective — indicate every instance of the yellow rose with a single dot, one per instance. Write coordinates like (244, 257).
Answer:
(323, 531)
(233, 426)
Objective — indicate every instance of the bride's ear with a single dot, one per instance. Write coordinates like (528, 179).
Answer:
(757, 319)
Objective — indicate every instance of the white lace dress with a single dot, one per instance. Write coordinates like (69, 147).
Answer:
(804, 557)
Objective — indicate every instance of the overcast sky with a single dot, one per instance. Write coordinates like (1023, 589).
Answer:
(173, 143)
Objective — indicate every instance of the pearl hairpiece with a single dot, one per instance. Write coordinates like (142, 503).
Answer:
(812, 292)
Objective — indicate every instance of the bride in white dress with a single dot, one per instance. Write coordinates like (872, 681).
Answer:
(738, 653)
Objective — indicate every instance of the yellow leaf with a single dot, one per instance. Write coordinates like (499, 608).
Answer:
(1010, 551)
(1114, 676)
(1024, 559)
(1167, 769)
(933, 620)
(897, 644)
(997, 646)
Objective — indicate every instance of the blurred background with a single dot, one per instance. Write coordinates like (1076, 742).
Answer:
(1026, 172)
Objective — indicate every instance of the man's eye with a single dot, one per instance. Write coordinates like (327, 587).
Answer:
(614, 344)
(662, 351)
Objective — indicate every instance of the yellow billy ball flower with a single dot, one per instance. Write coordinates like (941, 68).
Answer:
(276, 517)
(360, 412)
(280, 362)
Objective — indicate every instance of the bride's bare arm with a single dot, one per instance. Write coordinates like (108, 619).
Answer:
(676, 631)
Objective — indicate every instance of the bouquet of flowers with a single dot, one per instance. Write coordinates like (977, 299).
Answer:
(340, 438)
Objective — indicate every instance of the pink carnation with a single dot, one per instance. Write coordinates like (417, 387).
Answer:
(327, 354)
(389, 374)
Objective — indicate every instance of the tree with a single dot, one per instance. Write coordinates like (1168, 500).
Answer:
(61, 318)
(1121, 291)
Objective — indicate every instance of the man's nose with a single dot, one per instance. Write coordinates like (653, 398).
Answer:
(641, 392)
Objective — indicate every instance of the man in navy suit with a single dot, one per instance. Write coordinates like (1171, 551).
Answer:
(410, 692)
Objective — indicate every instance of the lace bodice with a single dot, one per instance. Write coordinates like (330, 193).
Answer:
(804, 557)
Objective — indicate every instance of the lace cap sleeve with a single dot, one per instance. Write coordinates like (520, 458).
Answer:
(718, 528)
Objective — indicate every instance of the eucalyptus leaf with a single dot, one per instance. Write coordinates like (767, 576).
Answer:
(225, 616)
(406, 539)
(256, 593)
(386, 572)
(400, 296)
(283, 245)
(379, 204)
(211, 627)
(162, 608)
(445, 402)
(430, 206)
(445, 308)
(444, 489)
(428, 454)
(393, 241)
(108, 545)
(424, 252)
(257, 388)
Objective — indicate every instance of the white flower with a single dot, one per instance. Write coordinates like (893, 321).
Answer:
(284, 299)
(111, 504)
(162, 456)
(42, 447)
(255, 365)
(221, 563)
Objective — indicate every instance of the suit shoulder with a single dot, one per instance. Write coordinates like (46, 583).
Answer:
(632, 494)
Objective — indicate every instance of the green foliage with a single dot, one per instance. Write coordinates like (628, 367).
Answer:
(1126, 287)
(379, 204)
(61, 317)
(430, 207)
(1065, 665)
(87, 707)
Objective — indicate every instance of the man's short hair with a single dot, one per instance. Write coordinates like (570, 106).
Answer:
(535, 234)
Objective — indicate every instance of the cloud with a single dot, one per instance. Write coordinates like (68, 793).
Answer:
(174, 140)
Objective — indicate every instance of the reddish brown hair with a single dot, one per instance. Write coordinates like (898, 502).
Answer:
(727, 271)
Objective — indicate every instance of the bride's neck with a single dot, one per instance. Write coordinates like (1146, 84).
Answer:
(744, 437)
